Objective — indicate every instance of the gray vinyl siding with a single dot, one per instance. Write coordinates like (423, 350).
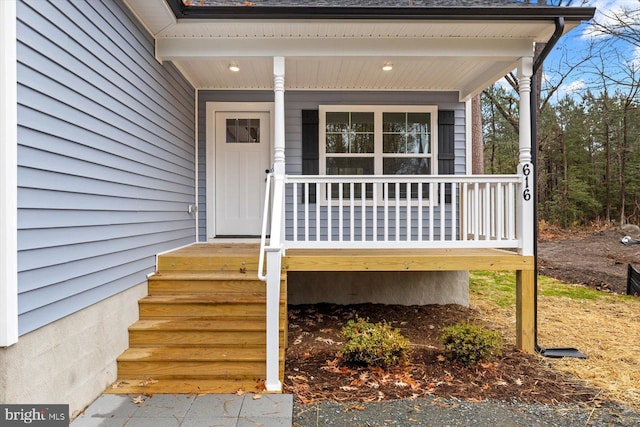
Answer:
(106, 153)
(295, 102)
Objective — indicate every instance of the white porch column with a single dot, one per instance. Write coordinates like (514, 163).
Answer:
(274, 251)
(278, 134)
(8, 176)
(525, 167)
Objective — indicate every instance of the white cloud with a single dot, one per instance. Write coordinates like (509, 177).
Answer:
(575, 86)
(604, 10)
(572, 88)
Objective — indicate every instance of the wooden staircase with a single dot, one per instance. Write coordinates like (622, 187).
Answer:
(202, 329)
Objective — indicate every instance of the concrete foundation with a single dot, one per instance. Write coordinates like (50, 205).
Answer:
(72, 360)
(403, 288)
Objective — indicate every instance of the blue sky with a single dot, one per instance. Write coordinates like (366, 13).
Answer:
(619, 57)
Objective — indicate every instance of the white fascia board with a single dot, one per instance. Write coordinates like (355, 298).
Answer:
(8, 176)
(193, 48)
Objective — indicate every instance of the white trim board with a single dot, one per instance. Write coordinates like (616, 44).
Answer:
(211, 109)
(8, 176)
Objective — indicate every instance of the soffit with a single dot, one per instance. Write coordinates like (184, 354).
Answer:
(342, 54)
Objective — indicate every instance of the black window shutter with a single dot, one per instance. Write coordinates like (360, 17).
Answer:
(446, 147)
(310, 148)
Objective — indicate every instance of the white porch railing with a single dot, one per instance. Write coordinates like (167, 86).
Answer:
(401, 211)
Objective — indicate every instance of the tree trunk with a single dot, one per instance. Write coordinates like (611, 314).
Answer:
(477, 147)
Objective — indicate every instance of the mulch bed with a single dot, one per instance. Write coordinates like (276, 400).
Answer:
(314, 371)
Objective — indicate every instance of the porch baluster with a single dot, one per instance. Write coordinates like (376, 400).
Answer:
(420, 207)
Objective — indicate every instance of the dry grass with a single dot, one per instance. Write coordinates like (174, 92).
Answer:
(604, 327)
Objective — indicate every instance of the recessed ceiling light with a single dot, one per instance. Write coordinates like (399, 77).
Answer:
(388, 66)
(234, 67)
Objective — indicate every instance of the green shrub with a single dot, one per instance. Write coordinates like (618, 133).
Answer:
(373, 344)
(470, 344)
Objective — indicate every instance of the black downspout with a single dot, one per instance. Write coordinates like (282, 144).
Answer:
(549, 352)
(534, 159)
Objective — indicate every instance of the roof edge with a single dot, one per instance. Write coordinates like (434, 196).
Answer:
(520, 13)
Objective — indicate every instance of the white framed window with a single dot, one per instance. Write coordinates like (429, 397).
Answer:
(378, 140)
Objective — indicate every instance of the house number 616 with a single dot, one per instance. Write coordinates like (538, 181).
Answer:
(526, 171)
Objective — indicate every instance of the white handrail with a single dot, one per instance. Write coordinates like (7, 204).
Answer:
(265, 221)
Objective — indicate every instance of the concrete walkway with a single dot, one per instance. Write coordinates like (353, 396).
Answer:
(188, 410)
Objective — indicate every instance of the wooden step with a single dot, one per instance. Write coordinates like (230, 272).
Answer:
(208, 282)
(166, 362)
(205, 305)
(150, 386)
(206, 257)
(232, 332)
(187, 282)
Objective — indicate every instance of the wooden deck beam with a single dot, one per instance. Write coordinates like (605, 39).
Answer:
(404, 260)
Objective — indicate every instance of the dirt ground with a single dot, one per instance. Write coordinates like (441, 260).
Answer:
(595, 258)
(314, 371)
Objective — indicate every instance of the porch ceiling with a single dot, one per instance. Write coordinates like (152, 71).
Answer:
(463, 55)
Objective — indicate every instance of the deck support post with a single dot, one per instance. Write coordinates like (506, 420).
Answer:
(525, 311)
(526, 197)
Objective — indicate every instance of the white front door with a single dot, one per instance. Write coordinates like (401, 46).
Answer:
(242, 157)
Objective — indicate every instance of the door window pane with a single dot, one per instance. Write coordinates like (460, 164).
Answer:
(243, 131)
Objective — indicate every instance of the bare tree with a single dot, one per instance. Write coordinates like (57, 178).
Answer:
(622, 24)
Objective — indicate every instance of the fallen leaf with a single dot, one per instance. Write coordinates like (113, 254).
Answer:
(441, 358)
(239, 392)
(138, 399)
(118, 384)
(518, 381)
(348, 388)
(260, 385)
(326, 340)
(256, 396)
(147, 382)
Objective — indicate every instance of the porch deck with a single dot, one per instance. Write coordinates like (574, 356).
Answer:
(199, 256)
